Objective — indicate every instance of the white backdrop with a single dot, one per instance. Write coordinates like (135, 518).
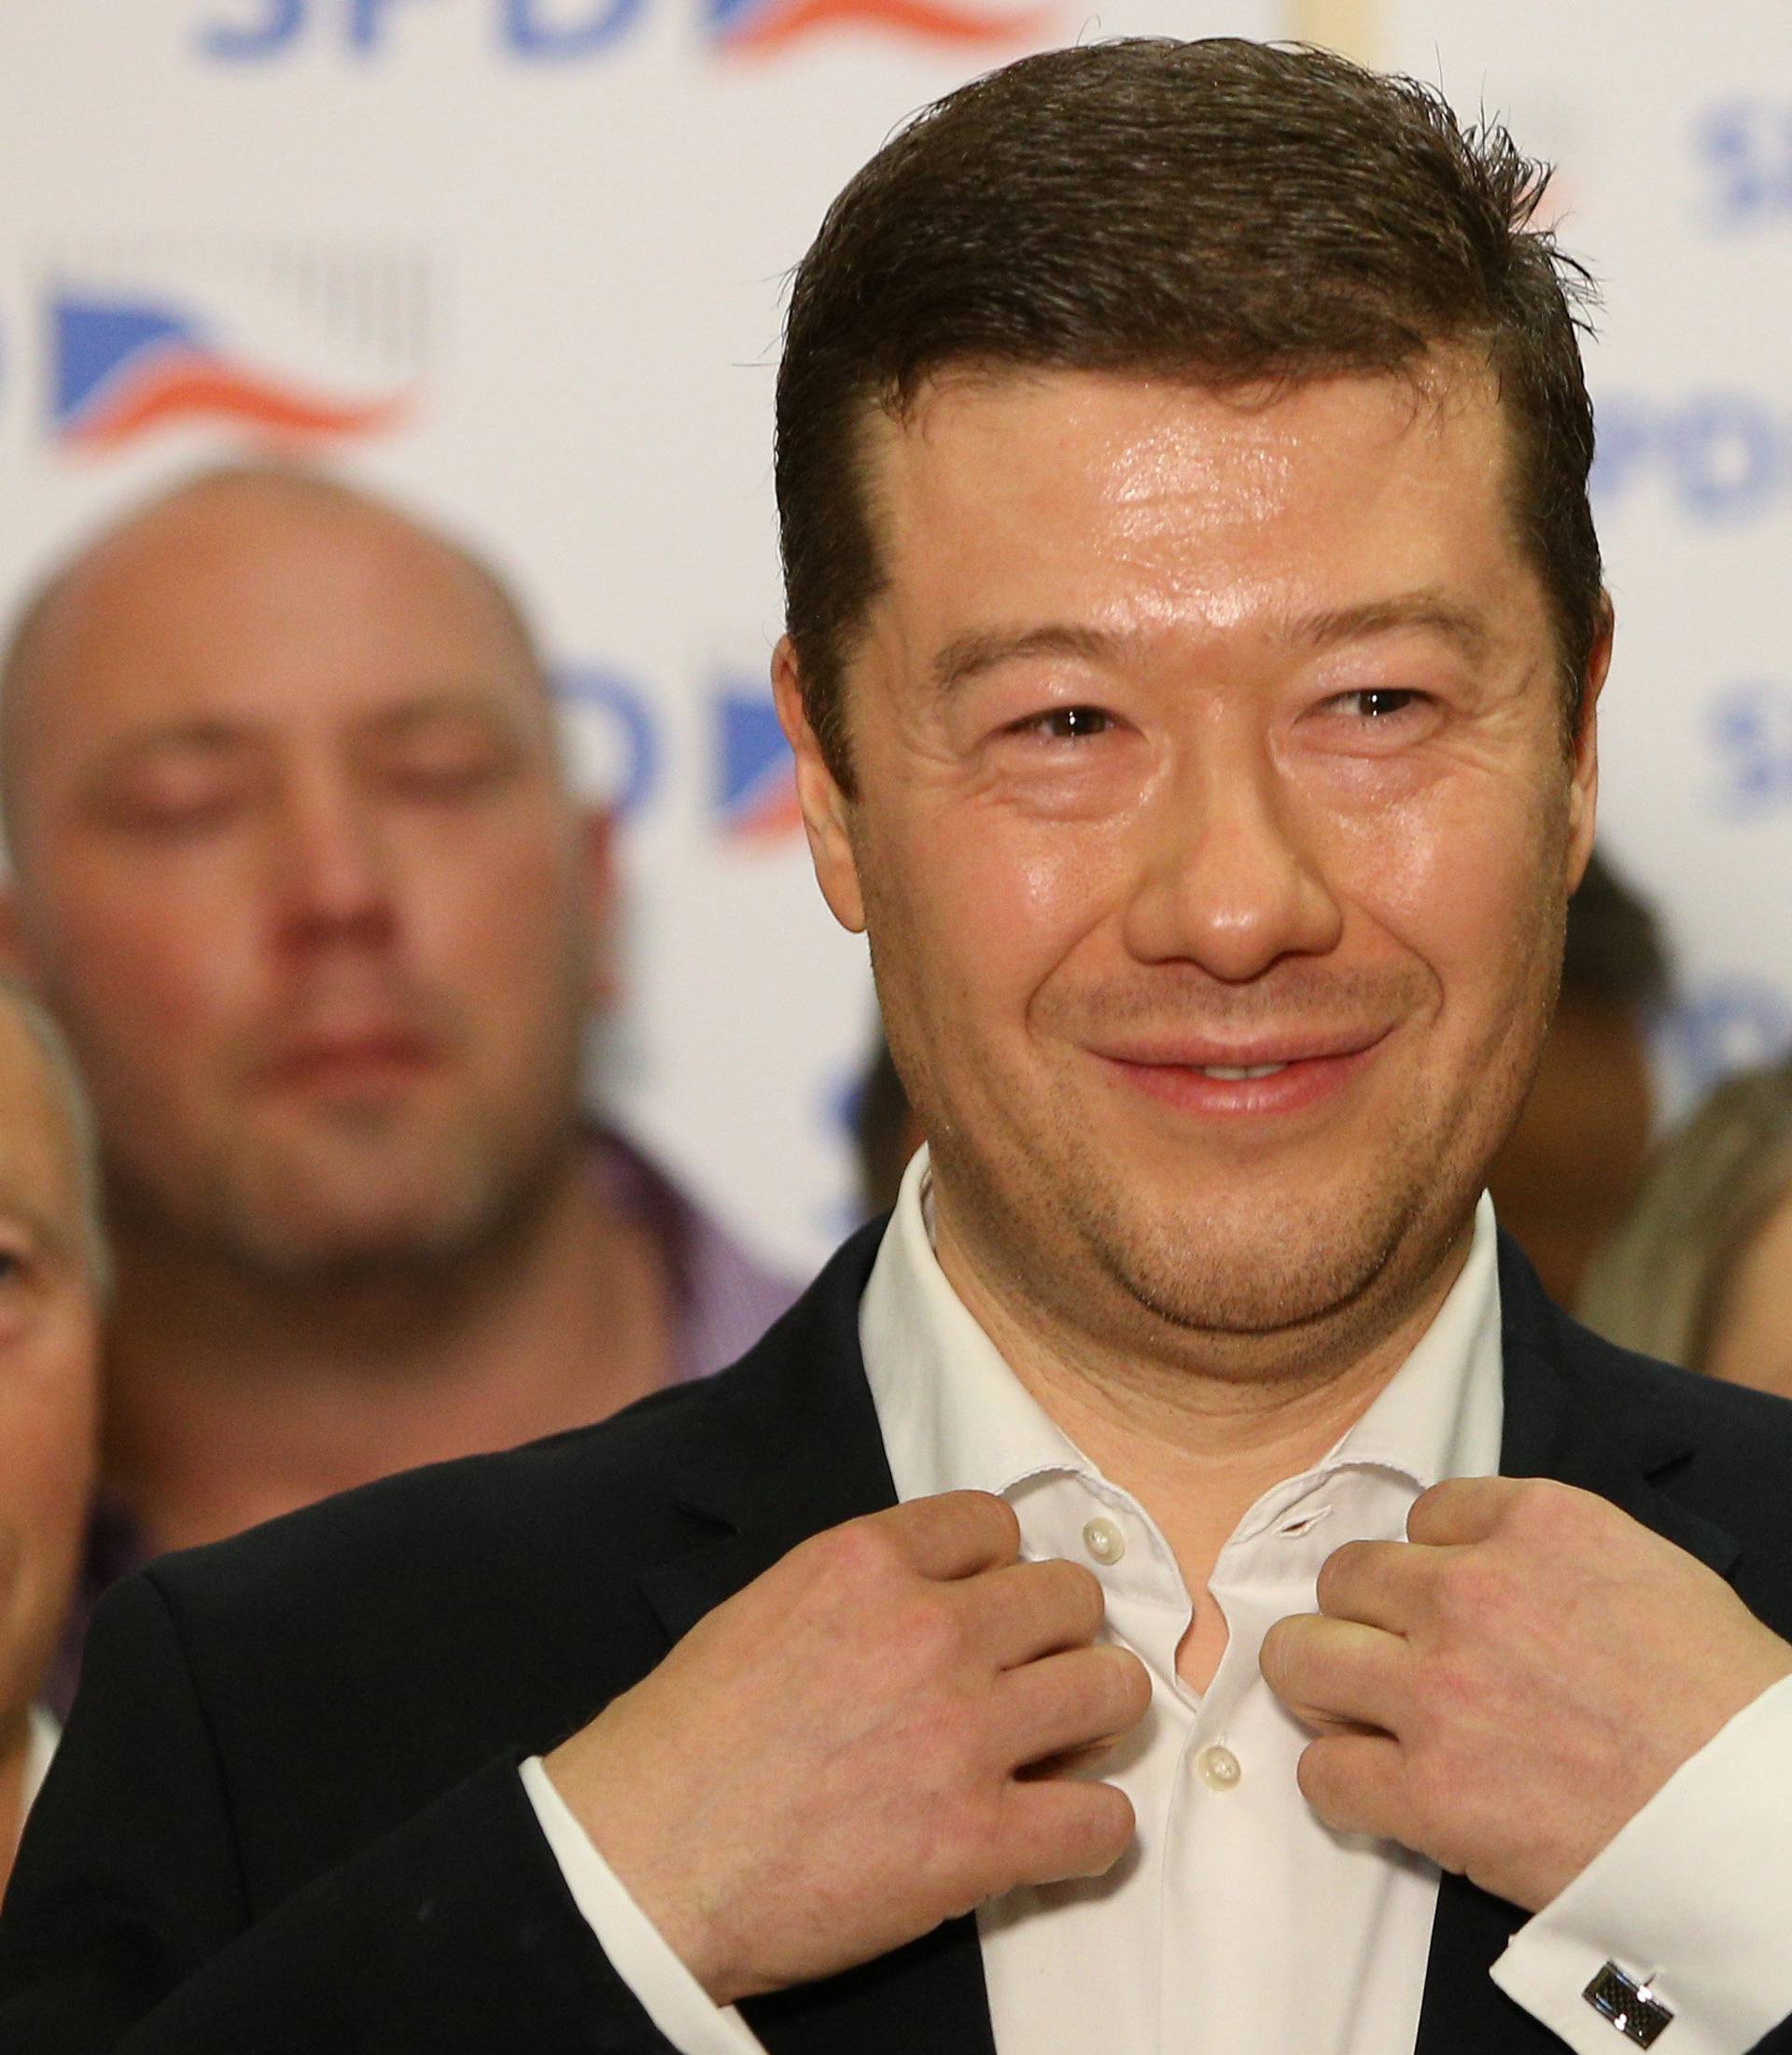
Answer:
(519, 262)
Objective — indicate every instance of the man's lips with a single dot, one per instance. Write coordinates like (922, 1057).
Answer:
(353, 1057)
(1270, 1073)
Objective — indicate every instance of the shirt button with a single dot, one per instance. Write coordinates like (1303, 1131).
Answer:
(1218, 1768)
(1104, 1541)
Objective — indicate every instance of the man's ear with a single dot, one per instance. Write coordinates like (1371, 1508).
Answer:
(1583, 791)
(595, 857)
(826, 809)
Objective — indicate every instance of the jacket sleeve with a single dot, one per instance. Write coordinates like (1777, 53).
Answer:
(130, 1928)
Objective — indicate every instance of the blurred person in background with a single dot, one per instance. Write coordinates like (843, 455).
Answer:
(1701, 1271)
(52, 1280)
(1572, 1166)
(297, 866)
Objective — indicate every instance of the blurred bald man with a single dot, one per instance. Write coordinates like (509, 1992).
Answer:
(296, 865)
(52, 1280)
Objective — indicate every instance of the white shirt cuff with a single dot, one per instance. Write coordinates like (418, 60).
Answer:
(671, 1996)
(1693, 1895)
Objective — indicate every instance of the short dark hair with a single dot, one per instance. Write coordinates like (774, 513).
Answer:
(1224, 212)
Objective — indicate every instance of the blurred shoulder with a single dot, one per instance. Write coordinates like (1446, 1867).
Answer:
(459, 1534)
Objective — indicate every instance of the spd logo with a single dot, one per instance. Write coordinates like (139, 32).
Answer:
(756, 788)
(123, 367)
(1720, 458)
(761, 27)
(1751, 727)
(1744, 150)
(298, 349)
(241, 33)
(616, 730)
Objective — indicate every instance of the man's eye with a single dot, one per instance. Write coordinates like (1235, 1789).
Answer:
(443, 778)
(174, 812)
(1072, 723)
(1378, 702)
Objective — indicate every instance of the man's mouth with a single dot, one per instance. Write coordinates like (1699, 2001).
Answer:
(1270, 1074)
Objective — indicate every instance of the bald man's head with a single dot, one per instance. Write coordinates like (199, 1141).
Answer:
(296, 865)
(257, 501)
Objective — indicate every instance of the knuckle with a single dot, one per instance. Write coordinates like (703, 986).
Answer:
(941, 1745)
(864, 1551)
(1279, 1654)
(1447, 1684)
(927, 1630)
(1471, 1590)
(1119, 1691)
(1313, 1776)
(1082, 1603)
(1114, 1823)
(1336, 1572)
(1001, 1519)
(1548, 1513)
(990, 1519)
(966, 1852)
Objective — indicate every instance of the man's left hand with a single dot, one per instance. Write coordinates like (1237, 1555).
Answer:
(1504, 1690)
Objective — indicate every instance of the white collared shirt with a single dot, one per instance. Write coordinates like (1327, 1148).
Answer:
(1237, 1924)
(42, 1734)
(40, 1747)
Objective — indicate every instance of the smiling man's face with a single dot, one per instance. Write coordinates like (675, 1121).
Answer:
(1213, 827)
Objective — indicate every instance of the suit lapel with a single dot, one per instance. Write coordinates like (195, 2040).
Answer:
(790, 1447)
(1558, 1424)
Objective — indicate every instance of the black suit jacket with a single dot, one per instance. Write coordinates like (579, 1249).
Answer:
(286, 1819)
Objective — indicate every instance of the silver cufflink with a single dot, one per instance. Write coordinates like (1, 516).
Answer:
(1631, 2007)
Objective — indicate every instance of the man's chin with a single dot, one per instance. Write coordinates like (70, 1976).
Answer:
(1283, 1271)
(355, 1228)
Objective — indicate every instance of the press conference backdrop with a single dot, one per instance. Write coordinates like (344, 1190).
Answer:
(519, 262)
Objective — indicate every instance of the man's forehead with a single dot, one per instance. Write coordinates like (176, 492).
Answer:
(1058, 477)
(253, 605)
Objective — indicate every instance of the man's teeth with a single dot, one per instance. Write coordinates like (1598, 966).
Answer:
(1231, 1072)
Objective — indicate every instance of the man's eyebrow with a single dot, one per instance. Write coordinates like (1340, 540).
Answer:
(1430, 612)
(441, 703)
(210, 736)
(984, 648)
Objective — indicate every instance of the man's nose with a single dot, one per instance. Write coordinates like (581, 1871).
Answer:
(331, 869)
(1229, 875)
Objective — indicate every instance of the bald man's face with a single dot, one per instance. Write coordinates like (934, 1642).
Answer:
(48, 1345)
(297, 869)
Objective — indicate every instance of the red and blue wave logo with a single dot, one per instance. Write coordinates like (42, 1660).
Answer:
(126, 366)
(761, 27)
(756, 802)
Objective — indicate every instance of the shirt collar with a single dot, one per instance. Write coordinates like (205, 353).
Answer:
(42, 1735)
(954, 1416)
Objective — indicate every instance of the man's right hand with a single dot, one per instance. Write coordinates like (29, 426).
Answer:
(858, 1745)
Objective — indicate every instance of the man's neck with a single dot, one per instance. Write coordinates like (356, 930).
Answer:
(1199, 1434)
(233, 1397)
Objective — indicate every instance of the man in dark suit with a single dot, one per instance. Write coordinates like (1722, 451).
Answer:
(1181, 1584)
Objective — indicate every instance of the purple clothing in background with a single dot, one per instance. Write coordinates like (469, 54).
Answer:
(723, 1300)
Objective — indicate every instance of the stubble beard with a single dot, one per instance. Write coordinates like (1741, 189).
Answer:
(350, 1211)
(1277, 1283)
